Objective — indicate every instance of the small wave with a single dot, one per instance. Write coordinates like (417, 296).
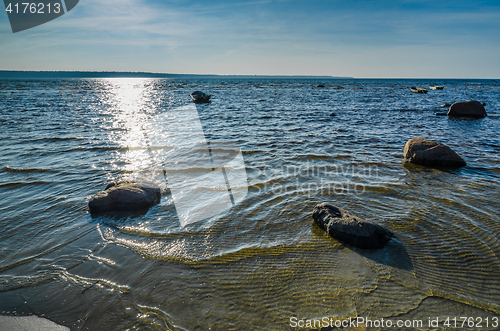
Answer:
(180, 250)
(191, 170)
(314, 157)
(268, 183)
(80, 280)
(23, 184)
(56, 139)
(28, 170)
(101, 149)
(251, 152)
(343, 157)
(10, 283)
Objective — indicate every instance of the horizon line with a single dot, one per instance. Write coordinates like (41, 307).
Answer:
(148, 74)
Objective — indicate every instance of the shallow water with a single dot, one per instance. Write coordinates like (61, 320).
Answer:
(264, 261)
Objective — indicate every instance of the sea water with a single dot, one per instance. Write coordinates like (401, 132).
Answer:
(262, 264)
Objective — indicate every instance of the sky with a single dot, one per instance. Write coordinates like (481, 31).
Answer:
(355, 38)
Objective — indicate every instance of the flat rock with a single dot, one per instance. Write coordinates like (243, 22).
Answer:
(431, 153)
(467, 109)
(349, 228)
(125, 196)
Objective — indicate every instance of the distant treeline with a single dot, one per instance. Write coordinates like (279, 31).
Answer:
(6, 74)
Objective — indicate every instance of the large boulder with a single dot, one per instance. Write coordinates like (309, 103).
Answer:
(125, 196)
(432, 154)
(467, 109)
(349, 228)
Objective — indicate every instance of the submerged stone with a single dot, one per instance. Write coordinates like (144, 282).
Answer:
(431, 153)
(467, 109)
(349, 228)
(125, 196)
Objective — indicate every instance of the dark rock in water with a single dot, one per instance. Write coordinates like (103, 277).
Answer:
(351, 229)
(333, 114)
(467, 109)
(320, 85)
(431, 153)
(200, 97)
(445, 105)
(125, 196)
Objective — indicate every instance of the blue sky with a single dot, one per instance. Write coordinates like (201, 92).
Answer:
(411, 38)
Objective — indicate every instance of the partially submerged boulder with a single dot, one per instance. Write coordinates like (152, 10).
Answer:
(467, 109)
(432, 154)
(200, 97)
(125, 196)
(349, 228)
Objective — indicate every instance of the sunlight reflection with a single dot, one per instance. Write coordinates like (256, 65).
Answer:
(205, 178)
(133, 104)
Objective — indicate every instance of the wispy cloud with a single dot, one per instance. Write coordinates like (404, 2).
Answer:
(35, 35)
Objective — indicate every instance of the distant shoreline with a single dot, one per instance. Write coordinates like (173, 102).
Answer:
(120, 74)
